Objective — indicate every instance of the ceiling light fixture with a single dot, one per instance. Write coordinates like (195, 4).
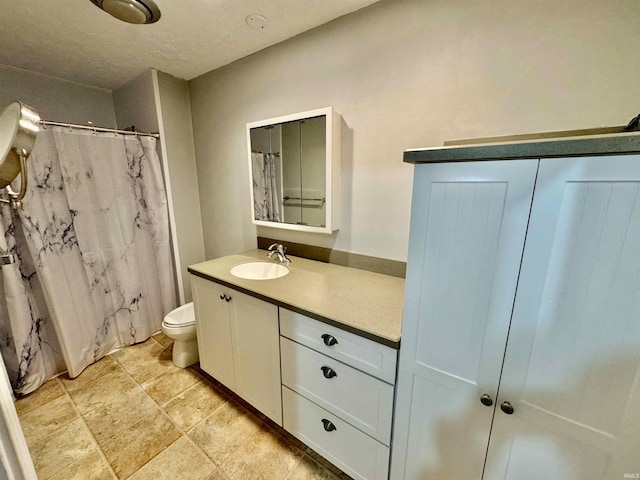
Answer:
(130, 11)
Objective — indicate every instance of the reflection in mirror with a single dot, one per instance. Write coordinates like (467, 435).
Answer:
(304, 188)
(292, 162)
(266, 169)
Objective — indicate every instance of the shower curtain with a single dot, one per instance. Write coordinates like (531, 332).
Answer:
(266, 199)
(93, 269)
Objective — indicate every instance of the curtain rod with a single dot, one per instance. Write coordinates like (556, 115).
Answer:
(98, 129)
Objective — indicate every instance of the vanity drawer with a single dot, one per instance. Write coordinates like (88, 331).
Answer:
(360, 399)
(348, 448)
(366, 355)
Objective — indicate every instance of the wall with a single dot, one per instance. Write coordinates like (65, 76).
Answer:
(175, 118)
(135, 104)
(56, 99)
(412, 73)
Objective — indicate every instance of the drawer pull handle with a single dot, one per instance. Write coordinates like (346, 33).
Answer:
(486, 400)
(328, 425)
(329, 340)
(328, 372)
(507, 408)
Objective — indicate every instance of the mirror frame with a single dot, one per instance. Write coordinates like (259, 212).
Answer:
(332, 159)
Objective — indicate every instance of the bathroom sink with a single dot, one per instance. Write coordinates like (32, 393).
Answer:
(259, 270)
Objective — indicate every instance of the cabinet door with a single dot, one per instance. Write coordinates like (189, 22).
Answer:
(213, 329)
(572, 365)
(256, 339)
(468, 224)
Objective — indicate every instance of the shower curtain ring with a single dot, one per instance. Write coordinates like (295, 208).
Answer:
(70, 128)
(93, 127)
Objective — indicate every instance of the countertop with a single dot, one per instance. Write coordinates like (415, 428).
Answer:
(574, 146)
(365, 303)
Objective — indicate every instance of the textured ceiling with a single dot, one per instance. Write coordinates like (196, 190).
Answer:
(74, 40)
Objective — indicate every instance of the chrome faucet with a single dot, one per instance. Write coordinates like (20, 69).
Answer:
(279, 251)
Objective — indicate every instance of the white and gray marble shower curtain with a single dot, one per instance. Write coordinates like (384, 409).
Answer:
(266, 198)
(94, 269)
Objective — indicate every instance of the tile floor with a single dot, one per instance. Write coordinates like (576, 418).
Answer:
(135, 415)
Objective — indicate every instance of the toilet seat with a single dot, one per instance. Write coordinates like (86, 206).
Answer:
(179, 322)
(180, 317)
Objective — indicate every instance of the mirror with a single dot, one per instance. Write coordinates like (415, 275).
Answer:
(294, 167)
(19, 125)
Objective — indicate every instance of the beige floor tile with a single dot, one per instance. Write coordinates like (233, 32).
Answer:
(102, 391)
(195, 404)
(145, 360)
(265, 455)
(224, 430)
(162, 339)
(309, 469)
(47, 418)
(112, 418)
(139, 439)
(91, 466)
(50, 390)
(63, 447)
(132, 448)
(180, 460)
(217, 475)
(89, 374)
(170, 384)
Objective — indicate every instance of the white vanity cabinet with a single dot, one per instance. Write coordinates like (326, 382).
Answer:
(238, 343)
(338, 391)
(521, 335)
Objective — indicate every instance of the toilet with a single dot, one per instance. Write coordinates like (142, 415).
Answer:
(180, 325)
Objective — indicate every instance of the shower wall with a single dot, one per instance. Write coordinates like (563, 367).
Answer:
(57, 99)
(162, 106)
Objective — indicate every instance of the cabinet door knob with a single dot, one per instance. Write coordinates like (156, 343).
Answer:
(329, 340)
(328, 425)
(328, 372)
(228, 299)
(507, 408)
(222, 296)
(486, 400)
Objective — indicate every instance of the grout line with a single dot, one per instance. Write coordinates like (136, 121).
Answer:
(86, 425)
(124, 368)
(228, 397)
(67, 396)
(162, 410)
(139, 384)
(126, 372)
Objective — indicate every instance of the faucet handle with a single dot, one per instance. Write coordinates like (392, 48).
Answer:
(275, 245)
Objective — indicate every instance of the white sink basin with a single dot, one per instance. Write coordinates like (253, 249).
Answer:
(259, 270)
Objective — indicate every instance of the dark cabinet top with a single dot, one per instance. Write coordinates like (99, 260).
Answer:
(548, 147)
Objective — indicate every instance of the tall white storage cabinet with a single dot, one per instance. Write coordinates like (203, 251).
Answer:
(520, 356)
